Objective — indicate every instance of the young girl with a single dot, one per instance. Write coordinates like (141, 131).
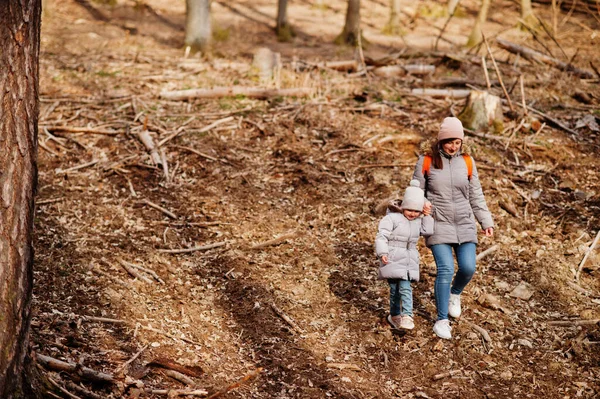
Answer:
(396, 248)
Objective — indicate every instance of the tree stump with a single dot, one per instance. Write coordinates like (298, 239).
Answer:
(483, 110)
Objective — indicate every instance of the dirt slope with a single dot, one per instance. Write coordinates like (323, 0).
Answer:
(313, 170)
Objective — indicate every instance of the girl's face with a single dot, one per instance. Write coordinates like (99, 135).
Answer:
(410, 214)
(451, 147)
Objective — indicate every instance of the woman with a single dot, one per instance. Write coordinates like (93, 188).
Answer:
(451, 183)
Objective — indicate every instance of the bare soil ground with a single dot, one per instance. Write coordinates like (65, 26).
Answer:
(313, 169)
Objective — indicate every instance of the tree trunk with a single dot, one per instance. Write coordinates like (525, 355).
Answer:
(527, 14)
(19, 70)
(197, 25)
(283, 30)
(352, 27)
(393, 26)
(475, 38)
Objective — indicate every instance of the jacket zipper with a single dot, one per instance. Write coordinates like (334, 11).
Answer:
(452, 198)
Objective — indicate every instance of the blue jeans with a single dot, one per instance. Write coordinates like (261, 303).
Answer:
(444, 261)
(400, 292)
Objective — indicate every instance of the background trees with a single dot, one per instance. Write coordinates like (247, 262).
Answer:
(197, 25)
(19, 44)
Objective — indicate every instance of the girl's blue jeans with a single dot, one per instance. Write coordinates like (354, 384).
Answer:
(444, 261)
(400, 294)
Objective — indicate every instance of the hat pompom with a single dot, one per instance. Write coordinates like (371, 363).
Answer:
(415, 183)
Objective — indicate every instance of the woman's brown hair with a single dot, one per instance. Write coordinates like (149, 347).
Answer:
(436, 157)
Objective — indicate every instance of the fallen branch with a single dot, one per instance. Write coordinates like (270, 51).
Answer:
(485, 253)
(343, 366)
(70, 129)
(587, 254)
(176, 375)
(236, 384)
(252, 92)
(149, 271)
(449, 93)
(278, 240)
(446, 374)
(286, 318)
(480, 330)
(166, 334)
(497, 72)
(78, 167)
(82, 391)
(160, 208)
(133, 272)
(194, 249)
(552, 121)
(63, 390)
(203, 130)
(128, 362)
(148, 141)
(533, 55)
(192, 371)
(573, 323)
(171, 393)
(84, 372)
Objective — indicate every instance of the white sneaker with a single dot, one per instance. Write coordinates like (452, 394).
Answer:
(442, 329)
(395, 321)
(454, 306)
(407, 323)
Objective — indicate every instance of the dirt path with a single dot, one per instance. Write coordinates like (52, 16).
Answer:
(306, 168)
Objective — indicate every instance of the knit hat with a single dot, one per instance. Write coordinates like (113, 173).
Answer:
(414, 197)
(451, 128)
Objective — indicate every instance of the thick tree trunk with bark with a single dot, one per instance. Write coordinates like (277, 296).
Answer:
(197, 25)
(283, 30)
(19, 55)
(352, 27)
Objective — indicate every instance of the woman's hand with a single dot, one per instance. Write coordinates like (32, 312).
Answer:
(384, 259)
(489, 232)
(427, 208)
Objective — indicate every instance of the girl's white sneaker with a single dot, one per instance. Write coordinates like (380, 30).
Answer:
(442, 329)
(407, 322)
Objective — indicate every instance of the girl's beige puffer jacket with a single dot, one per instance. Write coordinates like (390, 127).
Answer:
(457, 201)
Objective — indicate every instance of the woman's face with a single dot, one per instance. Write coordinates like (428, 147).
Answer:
(451, 147)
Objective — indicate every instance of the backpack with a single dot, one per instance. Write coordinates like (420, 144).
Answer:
(427, 167)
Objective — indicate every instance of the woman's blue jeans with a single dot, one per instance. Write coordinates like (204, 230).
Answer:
(400, 293)
(444, 261)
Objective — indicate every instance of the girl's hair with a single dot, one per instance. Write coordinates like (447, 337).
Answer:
(436, 157)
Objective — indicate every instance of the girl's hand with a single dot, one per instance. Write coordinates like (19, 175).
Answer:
(427, 209)
(489, 232)
(384, 259)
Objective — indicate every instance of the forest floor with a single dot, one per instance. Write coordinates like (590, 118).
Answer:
(287, 301)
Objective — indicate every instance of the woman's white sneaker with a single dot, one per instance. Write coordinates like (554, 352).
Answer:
(442, 329)
(454, 306)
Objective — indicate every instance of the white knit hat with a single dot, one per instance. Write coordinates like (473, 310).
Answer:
(414, 197)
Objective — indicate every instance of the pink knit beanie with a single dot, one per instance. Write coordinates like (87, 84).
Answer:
(451, 128)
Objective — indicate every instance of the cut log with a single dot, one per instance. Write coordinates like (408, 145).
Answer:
(482, 111)
(254, 92)
(441, 93)
(84, 372)
(535, 56)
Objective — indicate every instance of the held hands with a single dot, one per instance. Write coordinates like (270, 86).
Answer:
(489, 232)
(427, 208)
(384, 259)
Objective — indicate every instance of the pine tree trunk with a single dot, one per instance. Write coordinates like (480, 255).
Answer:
(197, 25)
(352, 26)
(19, 71)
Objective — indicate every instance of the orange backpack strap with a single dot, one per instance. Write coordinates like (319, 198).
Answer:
(426, 165)
(469, 162)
